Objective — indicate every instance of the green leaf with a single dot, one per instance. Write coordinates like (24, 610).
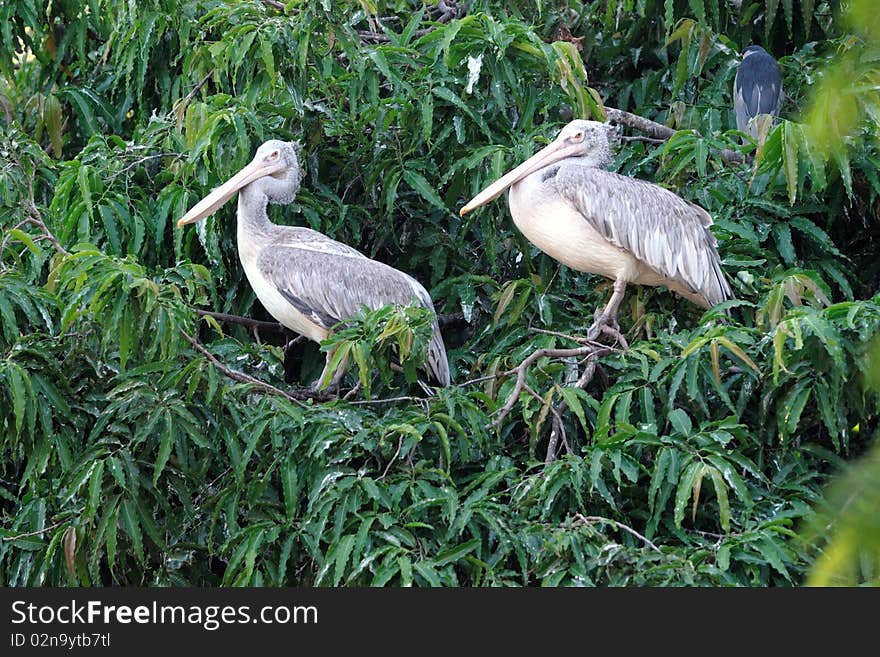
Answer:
(455, 553)
(721, 496)
(166, 443)
(96, 482)
(685, 487)
(343, 552)
(790, 141)
(571, 397)
(782, 236)
(421, 185)
(132, 528)
(680, 421)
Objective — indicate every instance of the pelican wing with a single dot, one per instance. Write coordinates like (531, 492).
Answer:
(328, 282)
(660, 229)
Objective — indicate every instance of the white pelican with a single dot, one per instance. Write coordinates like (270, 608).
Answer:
(305, 280)
(628, 230)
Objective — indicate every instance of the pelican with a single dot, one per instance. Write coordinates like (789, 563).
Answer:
(630, 231)
(305, 280)
(757, 89)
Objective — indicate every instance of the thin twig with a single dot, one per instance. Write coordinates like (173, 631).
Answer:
(389, 400)
(523, 367)
(573, 338)
(37, 220)
(351, 394)
(245, 378)
(557, 418)
(275, 327)
(591, 347)
(481, 379)
(589, 520)
(192, 93)
(446, 10)
(38, 532)
(582, 382)
(393, 458)
(452, 319)
(146, 158)
(649, 140)
(659, 132)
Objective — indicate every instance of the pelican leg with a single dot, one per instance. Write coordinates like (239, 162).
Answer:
(337, 375)
(606, 320)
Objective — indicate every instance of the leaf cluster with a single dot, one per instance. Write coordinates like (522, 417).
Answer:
(132, 453)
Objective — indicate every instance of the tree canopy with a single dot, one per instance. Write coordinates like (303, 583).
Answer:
(145, 440)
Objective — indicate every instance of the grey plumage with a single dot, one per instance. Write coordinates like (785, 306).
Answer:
(631, 231)
(757, 89)
(329, 282)
(660, 229)
(304, 279)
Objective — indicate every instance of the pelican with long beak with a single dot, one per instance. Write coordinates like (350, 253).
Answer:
(568, 205)
(305, 280)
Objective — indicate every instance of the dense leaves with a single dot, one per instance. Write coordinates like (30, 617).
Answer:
(132, 451)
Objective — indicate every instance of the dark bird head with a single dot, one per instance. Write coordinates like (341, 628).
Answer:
(754, 50)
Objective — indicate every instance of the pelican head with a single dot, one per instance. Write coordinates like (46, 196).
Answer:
(274, 172)
(589, 141)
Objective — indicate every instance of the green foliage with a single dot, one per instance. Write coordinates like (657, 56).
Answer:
(372, 339)
(691, 459)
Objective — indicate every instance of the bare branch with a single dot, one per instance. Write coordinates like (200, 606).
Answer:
(574, 338)
(389, 400)
(146, 158)
(37, 532)
(640, 123)
(181, 107)
(590, 348)
(246, 378)
(589, 520)
(257, 324)
(37, 220)
(393, 458)
(523, 368)
(657, 132)
(452, 319)
(648, 140)
(445, 11)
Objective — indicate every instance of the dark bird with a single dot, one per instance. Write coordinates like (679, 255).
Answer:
(757, 89)
(628, 230)
(305, 280)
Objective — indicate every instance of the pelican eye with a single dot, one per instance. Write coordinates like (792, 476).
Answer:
(274, 155)
(577, 137)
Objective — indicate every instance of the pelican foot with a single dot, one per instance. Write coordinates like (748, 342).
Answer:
(606, 325)
(322, 394)
(614, 333)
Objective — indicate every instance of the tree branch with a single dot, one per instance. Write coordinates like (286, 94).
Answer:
(590, 349)
(37, 220)
(246, 378)
(640, 123)
(446, 10)
(254, 324)
(657, 132)
(589, 520)
(37, 532)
